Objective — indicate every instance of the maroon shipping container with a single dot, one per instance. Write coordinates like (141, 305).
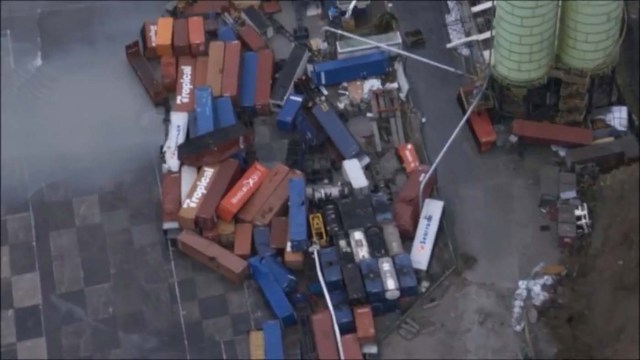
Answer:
(242, 242)
(168, 72)
(276, 176)
(145, 74)
(210, 28)
(220, 6)
(218, 153)
(171, 203)
(279, 232)
(365, 327)
(406, 217)
(351, 347)
(551, 134)
(263, 81)
(202, 8)
(197, 43)
(227, 173)
(270, 7)
(184, 87)
(409, 192)
(323, 335)
(148, 35)
(276, 201)
(251, 38)
(231, 69)
(213, 256)
(181, 37)
(202, 63)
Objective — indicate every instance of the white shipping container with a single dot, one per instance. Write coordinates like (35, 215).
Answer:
(188, 176)
(392, 239)
(389, 278)
(353, 173)
(176, 135)
(359, 245)
(426, 234)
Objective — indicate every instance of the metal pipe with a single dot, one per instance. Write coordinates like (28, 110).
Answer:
(397, 51)
(446, 146)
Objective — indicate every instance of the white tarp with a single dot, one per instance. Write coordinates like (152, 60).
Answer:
(176, 136)
(616, 116)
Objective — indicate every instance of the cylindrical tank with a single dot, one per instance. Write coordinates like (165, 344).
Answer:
(588, 34)
(524, 41)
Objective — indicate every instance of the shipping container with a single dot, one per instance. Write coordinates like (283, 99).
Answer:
(405, 216)
(273, 345)
(263, 81)
(351, 347)
(226, 33)
(392, 239)
(356, 212)
(409, 157)
(188, 175)
(248, 76)
(295, 154)
(254, 18)
(375, 240)
(226, 233)
(365, 327)
(318, 235)
(143, 70)
(384, 307)
(359, 245)
(197, 42)
(551, 134)
(202, 62)
(607, 156)
(226, 175)
(210, 29)
(409, 192)
(293, 68)
(293, 260)
(344, 319)
(204, 8)
(168, 73)
(286, 115)
(215, 66)
(332, 219)
(335, 72)
(381, 207)
(231, 69)
(256, 345)
(178, 122)
(482, 130)
(276, 298)
(348, 47)
(270, 7)
(338, 133)
(186, 81)
(353, 173)
(204, 111)
(220, 6)
(181, 37)
(275, 176)
(297, 215)
(324, 336)
(148, 35)
(242, 191)
(373, 284)
(281, 275)
(213, 256)
(279, 232)
(251, 38)
(345, 254)
(356, 293)
(171, 201)
(331, 268)
(216, 146)
(164, 37)
(309, 129)
(261, 240)
(225, 114)
(426, 234)
(276, 202)
(187, 214)
(389, 278)
(242, 240)
(243, 4)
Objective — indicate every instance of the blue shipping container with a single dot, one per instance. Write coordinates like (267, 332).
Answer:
(287, 115)
(406, 275)
(338, 297)
(248, 75)
(344, 318)
(372, 280)
(226, 33)
(276, 298)
(273, 346)
(335, 72)
(298, 215)
(331, 268)
(384, 307)
(280, 273)
(310, 130)
(226, 116)
(337, 131)
(204, 111)
(261, 235)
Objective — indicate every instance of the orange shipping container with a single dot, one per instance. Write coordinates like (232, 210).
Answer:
(231, 69)
(214, 68)
(263, 81)
(202, 62)
(196, 36)
(242, 191)
(164, 36)
(253, 206)
(149, 33)
(482, 129)
(410, 159)
(351, 347)
(184, 90)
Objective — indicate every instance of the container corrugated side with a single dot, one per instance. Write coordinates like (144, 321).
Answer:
(425, 238)
(334, 72)
(552, 134)
(197, 43)
(164, 37)
(324, 335)
(181, 37)
(186, 78)
(204, 110)
(273, 346)
(286, 115)
(225, 114)
(263, 81)
(231, 69)
(215, 67)
(337, 131)
(242, 191)
(248, 77)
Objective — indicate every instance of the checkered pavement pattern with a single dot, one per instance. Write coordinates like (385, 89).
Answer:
(89, 275)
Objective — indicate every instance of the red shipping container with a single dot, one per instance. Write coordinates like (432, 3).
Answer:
(202, 63)
(255, 203)
(214, 71)
(279, 232)
(231, 69)
(551, 134)
(168, 73)
(482, 129)
(351, 347)
(149, 33)
(242, 242)
(181, 37)
(405, 214)
(276, 201)
(184, 89)
(410, 159)
(323, 335)
(242, 191)
(197, 42)
(227, 174)
(251, 38)
(270, 7)
(170, 197)
(263, 81)
(409, 192)
(202, 8)
(365, 327)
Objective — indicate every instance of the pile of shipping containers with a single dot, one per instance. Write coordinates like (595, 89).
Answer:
(243, 219)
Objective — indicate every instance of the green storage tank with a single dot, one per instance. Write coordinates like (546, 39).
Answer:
(588, 34)
(524, 41)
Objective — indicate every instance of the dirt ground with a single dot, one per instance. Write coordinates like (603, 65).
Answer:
(598, 315)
